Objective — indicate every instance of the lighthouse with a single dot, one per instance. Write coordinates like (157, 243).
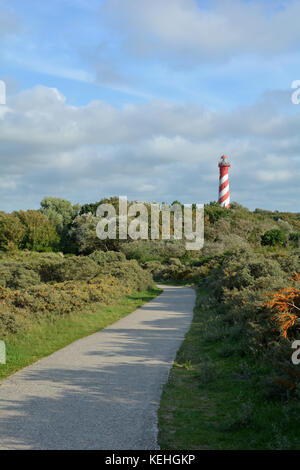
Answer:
(224, 194)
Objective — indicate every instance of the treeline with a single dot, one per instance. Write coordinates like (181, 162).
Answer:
(61, 226)
(42, 230)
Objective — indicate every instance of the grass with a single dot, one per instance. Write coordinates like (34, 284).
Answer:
(47, 336)
(213, 399)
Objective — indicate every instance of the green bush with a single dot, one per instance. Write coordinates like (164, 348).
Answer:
(22, 278)
(131, 270)
(175, 262)
(103, 258)
(82, 284)
(10, 322)
(154, 250)
(154, 267)
(289, 262)
(75, 268)
(274, 237)
(5, 275)
(239, 283)
(294, 237)
(18, 276)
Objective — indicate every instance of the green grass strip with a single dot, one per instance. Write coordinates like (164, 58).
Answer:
(47, 336)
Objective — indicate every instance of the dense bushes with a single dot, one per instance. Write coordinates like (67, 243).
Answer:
(102, 258)
(240, 282)
(154, 250)
(75, 268)
(27, 269)
(174, 270)
(274, 237)
(83, 281)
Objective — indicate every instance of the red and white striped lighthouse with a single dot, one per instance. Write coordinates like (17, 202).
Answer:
(224, 194)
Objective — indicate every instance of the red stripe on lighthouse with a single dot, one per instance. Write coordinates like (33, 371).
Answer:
(224, 193)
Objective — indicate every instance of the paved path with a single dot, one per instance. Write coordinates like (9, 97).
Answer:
(102, 391)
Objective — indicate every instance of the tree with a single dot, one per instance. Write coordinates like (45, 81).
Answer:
(213, 212)
(93, 206)
(40, 232)
(295, 238)
(60, 211)
(12, 231)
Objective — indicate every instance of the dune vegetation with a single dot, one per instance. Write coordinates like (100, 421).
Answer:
(54, 267)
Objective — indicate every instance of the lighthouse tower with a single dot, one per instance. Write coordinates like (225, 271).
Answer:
(224, 194)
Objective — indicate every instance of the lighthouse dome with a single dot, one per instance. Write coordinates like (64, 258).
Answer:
(224, 161)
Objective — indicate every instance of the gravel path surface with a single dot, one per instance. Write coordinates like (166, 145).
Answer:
(102, 391)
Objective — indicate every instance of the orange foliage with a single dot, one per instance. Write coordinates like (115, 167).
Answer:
(285, 304)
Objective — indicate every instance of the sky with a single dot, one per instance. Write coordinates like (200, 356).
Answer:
(141, 98)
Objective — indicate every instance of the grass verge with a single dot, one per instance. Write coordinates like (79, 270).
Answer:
(47, 336)
(213, 398)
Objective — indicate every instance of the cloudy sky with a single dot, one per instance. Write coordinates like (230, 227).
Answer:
(141, 98)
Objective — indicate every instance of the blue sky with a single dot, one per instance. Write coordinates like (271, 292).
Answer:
(109, 97)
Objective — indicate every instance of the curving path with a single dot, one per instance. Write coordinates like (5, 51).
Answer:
(102, 391)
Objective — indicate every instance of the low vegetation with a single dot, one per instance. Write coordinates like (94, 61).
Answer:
(216, 396)
(234, 384)
(48, 285)
(39, 338)
(48, 300)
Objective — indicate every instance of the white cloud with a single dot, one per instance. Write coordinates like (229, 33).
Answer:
(220, 30)
(273, 176)
(158, 150)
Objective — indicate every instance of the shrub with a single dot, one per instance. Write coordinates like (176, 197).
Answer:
(103, 258)
(75, 268)
(22, 278)
(290, 262)
(294, 237)
(285, 305)
(240, 281)
(175, 262)
(130, 271)
(5, 275)
(10, 322)
(63, 298)
(154, 267)
(274, 237)
(150, 250)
